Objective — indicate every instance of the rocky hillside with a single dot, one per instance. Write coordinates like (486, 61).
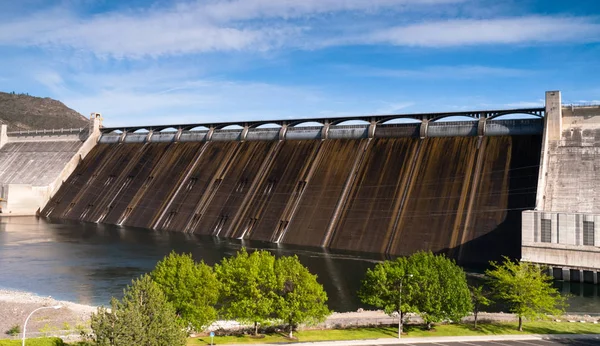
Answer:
(24, 112)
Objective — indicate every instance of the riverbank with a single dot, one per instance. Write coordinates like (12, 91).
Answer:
(15, 306)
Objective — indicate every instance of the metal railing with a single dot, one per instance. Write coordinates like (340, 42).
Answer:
(47, 132)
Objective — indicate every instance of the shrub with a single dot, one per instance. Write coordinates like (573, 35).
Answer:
(14, 330)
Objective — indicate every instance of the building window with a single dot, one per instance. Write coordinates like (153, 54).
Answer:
(546, 231)
(588, 233)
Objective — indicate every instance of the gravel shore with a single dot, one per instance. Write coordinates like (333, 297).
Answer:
(16, 306)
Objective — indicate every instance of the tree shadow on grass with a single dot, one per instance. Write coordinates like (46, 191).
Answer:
(511, 328)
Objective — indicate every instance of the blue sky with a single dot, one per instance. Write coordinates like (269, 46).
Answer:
(159, 62)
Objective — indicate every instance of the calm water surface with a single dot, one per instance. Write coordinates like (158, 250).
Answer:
(89, 263)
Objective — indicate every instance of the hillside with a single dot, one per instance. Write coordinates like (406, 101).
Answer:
(24, 112)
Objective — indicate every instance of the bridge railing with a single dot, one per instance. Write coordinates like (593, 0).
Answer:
(62, 131)
(367, 119)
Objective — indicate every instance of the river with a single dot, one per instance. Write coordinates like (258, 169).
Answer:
(89, 263)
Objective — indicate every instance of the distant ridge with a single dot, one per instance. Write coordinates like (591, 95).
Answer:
(24, 112)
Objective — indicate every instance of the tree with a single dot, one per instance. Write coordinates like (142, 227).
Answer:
(526, 288)
(432, 286)
(192, 288)
(478, 298)
(381, 288)
(248, 287)
(142, 317)
(301, 298)
(441, 291)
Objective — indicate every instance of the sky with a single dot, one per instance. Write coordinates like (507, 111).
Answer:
(144, 62)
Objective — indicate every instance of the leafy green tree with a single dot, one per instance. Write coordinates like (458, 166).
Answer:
(142, 317)
(432, 286)
(192, 288)
(478, 298)
(302, 298)
(248, 287)
(382, 285)
(441, 291)
(526, 288)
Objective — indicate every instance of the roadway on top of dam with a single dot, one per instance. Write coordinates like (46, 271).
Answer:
(372, 119)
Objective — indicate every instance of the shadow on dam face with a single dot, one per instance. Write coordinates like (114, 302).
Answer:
(462, 196)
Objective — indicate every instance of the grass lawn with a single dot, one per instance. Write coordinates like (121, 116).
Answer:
(34, 342)
(373, 333)
(411, 331)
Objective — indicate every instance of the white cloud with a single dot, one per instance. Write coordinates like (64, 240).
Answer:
(252, 9)
(460, 32)
(151, 33)
(263, 25)
(159, 96)
(524, 104)
(441, 72)
(51, 80)
(393, 107)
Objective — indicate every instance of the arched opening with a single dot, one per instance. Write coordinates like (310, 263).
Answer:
(402, 120)
(168, 129)
(198, 128)
(140, 131)
(352, 122)
(307, 124)
(515, 116)
(268, 126)
(117, 132)
(232, 127)
(450, 118)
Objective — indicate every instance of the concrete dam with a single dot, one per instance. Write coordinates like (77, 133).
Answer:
(456, 187)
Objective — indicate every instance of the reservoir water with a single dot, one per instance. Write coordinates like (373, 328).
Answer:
(89, 263)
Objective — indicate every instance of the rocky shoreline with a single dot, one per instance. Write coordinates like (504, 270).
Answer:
(15, 306)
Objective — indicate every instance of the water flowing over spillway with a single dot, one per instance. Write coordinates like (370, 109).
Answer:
(459, 195)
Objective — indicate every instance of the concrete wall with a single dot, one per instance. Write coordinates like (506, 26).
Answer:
(565, 248)
(568, 188)
(573, 163)
(33, 165)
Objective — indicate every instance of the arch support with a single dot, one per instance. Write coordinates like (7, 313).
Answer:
(149, 136)
(423, 129)
(244, 133)
(210, 133)
(481, 126)
(282, 132)
(371, 130)
(123, 135)
(325, 131)
(178, 135)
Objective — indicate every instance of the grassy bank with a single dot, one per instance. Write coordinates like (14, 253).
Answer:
(34, 342)
(371, 333)
(411, 331)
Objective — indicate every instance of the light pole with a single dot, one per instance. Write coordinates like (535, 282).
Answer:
(400, 306)
(43, 307)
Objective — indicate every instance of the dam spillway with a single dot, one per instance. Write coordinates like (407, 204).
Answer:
(391, 190)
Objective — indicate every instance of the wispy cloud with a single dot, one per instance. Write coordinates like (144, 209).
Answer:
(149, 33)
(441, 72)
(264, 25)
(288, 9)
(460, 32)
(524, 104)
